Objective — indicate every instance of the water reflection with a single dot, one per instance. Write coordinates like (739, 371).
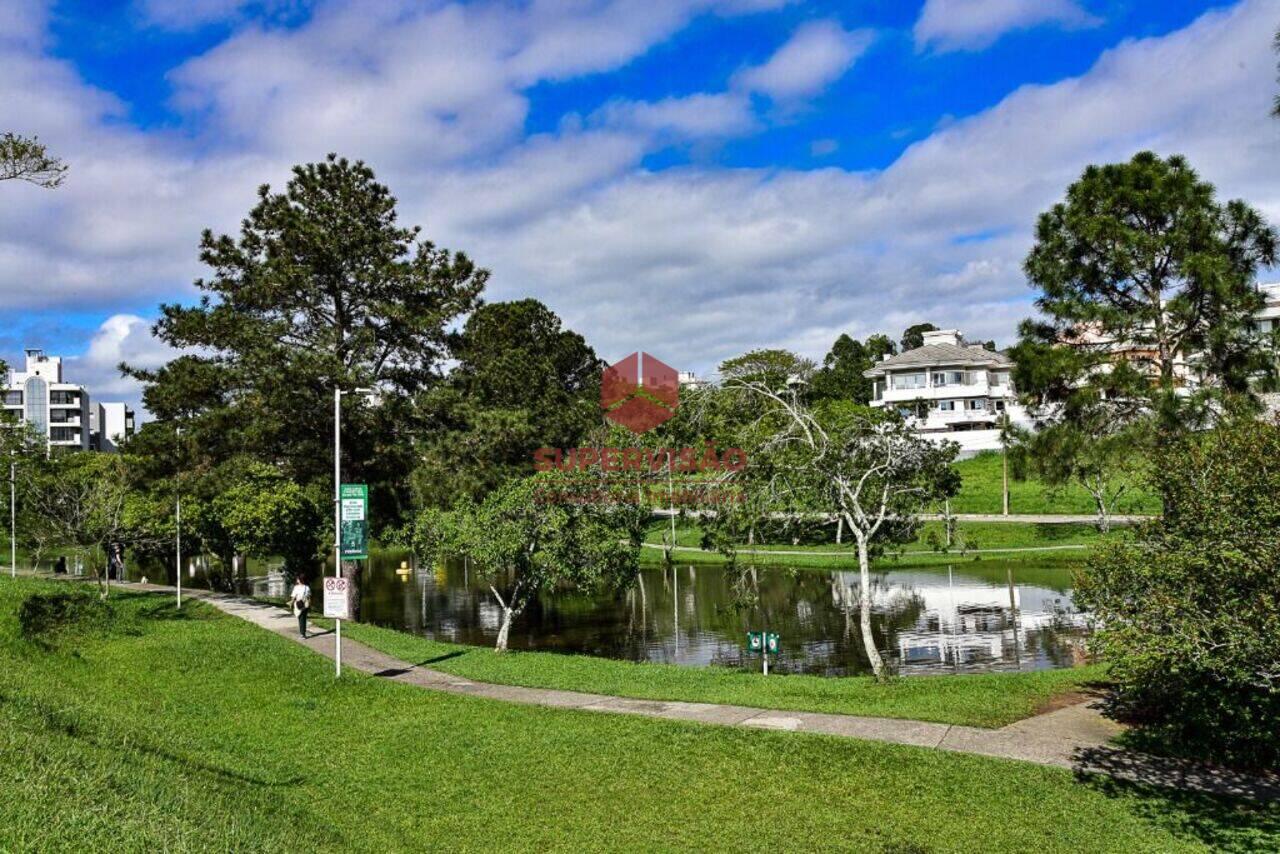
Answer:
(969, 617)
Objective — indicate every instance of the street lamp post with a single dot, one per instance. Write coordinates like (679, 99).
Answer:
(13, 515)
(337, 509)
(177, 511)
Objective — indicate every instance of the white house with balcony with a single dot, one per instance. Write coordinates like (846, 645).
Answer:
(949, 389)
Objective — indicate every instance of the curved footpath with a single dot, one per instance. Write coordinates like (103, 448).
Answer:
(1076, 737)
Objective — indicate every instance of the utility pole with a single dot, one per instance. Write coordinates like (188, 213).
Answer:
(13, 515)
(337, 508)
(337, 518)
(177, 512)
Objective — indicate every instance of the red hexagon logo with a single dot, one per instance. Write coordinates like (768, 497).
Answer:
(639, 392)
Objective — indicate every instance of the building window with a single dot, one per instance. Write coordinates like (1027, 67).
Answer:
(946, 378)
(64, 398)
(37, 411)
(947, 405)
(13, 398)
(999, 379)
(999, 406)
(64, 434)
(976, 405)
(907, 381)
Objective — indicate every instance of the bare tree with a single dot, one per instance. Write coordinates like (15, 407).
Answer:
(26, 159)
(863, 466)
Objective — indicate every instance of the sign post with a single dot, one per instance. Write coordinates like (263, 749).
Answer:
(764, 643)
(354, 499)
(353, 544)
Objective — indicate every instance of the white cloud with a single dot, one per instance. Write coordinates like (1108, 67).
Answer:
(694, 264)
(121, 338)
(189, 14)
(823, 147)
(698, 116)
(815, 56)
(974, 24)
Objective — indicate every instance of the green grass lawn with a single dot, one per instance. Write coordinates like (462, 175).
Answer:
(981, 487)
(199, 732)
(986, 700)
(924, 550)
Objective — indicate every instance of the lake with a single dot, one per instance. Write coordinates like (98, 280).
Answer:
(964, 618)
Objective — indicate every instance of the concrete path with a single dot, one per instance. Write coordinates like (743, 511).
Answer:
(1076, 737)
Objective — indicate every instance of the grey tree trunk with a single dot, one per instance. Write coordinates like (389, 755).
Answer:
(503, 631)
(868, 640)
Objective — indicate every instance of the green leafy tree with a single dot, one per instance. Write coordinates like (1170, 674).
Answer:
(1188, 610)
(26, 159)
(523, 542)
(521, 382)
(1142, 264)
(841, 375)
(76, 501)
(838, 460)
(913, 336)
(321, 290)
(266, 515)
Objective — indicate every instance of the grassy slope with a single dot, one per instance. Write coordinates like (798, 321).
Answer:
(980, 493)
(980, 535)
(988, 700)
(201, 732)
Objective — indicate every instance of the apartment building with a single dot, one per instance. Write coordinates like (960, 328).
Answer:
(62, 411)
(111, 424)
(950, 389)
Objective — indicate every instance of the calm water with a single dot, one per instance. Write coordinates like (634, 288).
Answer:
(970, 617)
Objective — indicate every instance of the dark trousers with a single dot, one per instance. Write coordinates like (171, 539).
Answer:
(302, 621)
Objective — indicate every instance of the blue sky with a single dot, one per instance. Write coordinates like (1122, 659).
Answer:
(688, 177)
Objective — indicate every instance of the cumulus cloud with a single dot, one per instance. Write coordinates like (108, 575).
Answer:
(815, 56)
(974, 24)
(121, 338)
(694, 263)
(699, 116)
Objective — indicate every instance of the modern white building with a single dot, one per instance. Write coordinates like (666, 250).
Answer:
(57, 410)
(62, 411)
(111, 424)
(688, 379)
(949, 389)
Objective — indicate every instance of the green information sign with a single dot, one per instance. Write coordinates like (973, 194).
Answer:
(758, 642)
(353, 500)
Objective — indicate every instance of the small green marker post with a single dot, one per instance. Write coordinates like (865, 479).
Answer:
(763, 643)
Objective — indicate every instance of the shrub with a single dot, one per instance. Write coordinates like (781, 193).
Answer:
(1188, 609)
(50, 618)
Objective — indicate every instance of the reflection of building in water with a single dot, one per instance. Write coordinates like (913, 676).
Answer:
(965, 622)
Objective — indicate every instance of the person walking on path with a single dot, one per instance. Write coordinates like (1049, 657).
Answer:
(300, 600)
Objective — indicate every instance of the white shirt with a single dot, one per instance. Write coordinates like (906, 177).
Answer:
(301, 592)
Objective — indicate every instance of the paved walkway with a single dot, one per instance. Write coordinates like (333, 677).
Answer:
(1076, 737)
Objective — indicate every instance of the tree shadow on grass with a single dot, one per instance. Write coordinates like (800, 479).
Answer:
(1222, 822)
(67, 723)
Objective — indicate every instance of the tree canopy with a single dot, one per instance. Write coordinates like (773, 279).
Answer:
(26, 159)
(1149, 279)
(521, 382)
(321, 290)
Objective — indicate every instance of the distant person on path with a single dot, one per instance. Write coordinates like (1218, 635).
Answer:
(300, 599)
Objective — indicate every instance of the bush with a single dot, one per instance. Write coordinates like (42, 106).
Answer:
(1188, 609)
(50, 618)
